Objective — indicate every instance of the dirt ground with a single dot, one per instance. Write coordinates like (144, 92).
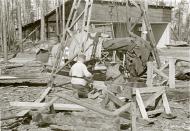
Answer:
(178, 100)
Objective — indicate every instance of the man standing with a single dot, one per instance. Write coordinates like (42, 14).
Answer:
(80, 74)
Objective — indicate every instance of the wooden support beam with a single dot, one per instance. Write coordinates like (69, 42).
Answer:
(150, 72)
(161, 69)
(160, 73)
(147, 90)
(144, 28)
(74, 16)
(71, 13)
(141, 105)
(85, 14)
(57, 106)
(166, 104)
(133, 114)
(171, 72)
(42, 29)
(164, 66)
(89, 14)
(76, 20)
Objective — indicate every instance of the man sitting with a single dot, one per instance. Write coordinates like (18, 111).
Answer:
(80, 74)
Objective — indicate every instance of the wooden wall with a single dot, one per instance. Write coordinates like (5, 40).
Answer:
(105, 12)
(102, 13)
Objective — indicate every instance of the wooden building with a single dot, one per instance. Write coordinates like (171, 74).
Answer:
(110, 16)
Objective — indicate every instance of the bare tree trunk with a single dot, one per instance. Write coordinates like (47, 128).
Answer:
(63, 17)
(57, 18)
(19, 24)
(1, 38)
(42, 29)
(4, 30)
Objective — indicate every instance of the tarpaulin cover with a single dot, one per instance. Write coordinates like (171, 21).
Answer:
(137, 51)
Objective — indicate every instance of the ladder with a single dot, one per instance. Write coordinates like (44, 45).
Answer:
(141, 8)
(151, 35)
(72, 20)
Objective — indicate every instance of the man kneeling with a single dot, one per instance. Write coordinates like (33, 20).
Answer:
(80, 74)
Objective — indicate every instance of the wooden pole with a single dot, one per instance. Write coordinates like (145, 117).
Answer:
(133, 112)
(144, 29)
(149, 80)
(171, 72)
(19, 24)
(60, 51)
(5, 49)
(42, 29)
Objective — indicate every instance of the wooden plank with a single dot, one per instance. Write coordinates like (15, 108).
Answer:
(40, 99)
(10, 66)
(87, 105)
(47, 105)
(162, 68)
(152, 98)
(57, 106)
(122, 109)
(149, 80)
(141, 105)
(166, 103)
(148, 89)
(133, 114)
(18, 77)
(114, 99)
(95, 108)
(160, 73)
(171, 72)
(155, 111)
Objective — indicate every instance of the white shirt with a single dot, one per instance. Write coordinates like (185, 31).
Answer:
(79, 69)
